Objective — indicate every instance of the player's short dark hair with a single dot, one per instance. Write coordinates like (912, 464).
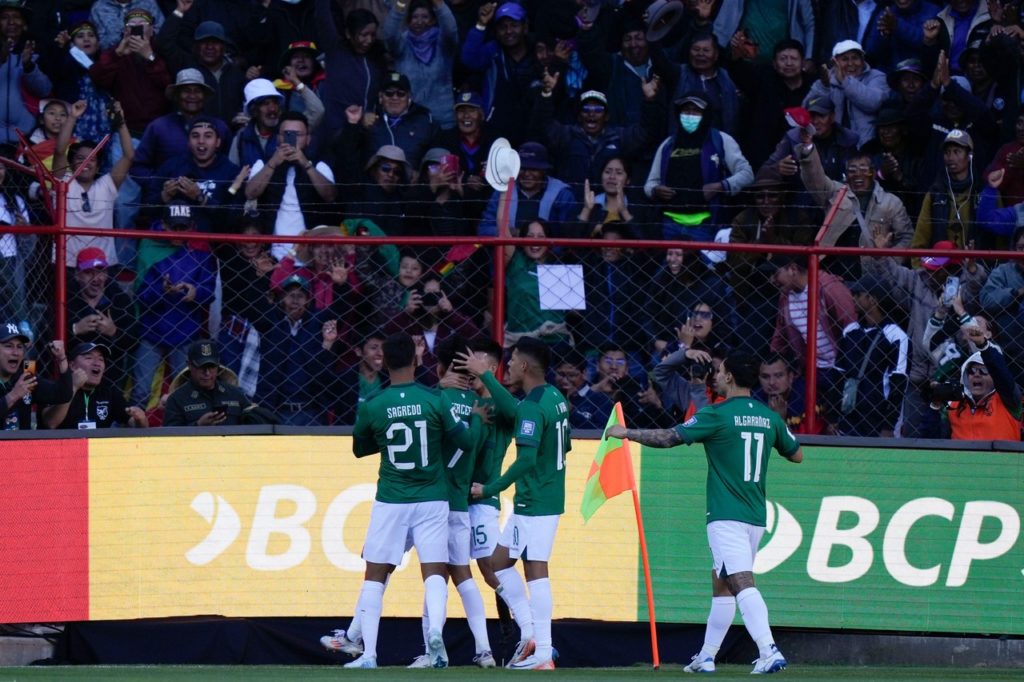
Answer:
(744, 368)
(536, 350)
(399, 351)
(448, 347)
(490, 347)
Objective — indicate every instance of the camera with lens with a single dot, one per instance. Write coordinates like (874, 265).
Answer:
(701, 370)
(430, 298)
(944, 392)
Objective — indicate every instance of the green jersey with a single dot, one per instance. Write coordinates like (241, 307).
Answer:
(738, 436)
(459, 462)
(542, 442)
(408, 424)
(490, 455)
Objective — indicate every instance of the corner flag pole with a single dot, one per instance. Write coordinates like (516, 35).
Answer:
(656, 658)
(647, 579)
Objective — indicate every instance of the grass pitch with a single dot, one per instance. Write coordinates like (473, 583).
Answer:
(166, 673)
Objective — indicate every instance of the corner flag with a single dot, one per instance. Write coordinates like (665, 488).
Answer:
(611, 472)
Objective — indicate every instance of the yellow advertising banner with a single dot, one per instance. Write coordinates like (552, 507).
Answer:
(274, 525)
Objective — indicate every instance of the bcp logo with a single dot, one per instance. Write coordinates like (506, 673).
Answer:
(859, 540)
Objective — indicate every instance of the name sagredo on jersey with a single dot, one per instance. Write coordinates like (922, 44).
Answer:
(751, 420)
(404, 411)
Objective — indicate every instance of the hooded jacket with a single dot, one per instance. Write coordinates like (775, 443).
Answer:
(995, 416)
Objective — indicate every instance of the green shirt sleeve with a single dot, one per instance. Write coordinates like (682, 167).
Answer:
(526, 459)
(529, 426)
(786, 442)
(505, 404)
(363, 442)
(699, 426)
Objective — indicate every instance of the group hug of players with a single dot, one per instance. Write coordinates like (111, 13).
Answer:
(439, 479)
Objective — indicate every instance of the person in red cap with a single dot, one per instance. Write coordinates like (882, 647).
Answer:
(99, 311)
(921, 292)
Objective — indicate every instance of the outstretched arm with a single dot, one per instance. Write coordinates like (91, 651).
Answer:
(655, 438)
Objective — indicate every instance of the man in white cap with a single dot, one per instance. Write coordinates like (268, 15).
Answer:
(257, 141)
(856, 90)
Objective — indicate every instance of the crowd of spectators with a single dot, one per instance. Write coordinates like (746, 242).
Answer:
(731, 121)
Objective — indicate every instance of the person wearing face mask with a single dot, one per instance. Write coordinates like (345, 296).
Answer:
(693, 172)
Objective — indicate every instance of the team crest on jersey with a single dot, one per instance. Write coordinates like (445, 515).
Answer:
(102, 410)
(690, 422)
(527, 428)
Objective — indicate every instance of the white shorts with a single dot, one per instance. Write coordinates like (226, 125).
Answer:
(393, 525)
(530, 537)
(733, 546)
(458, 538)
(483, 527)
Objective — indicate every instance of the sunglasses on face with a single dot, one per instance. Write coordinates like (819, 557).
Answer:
(978, 370)
(389, 168)
(702, 314)
(395, 93)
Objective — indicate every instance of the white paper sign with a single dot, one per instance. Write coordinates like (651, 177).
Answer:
(561, 287)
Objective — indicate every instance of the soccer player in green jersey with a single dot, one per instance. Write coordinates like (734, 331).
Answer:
(459, 466)
(738, 435)
(542, 441)
(482, 362)
(410, 425)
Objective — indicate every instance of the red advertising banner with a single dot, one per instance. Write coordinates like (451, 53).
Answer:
(44, 544)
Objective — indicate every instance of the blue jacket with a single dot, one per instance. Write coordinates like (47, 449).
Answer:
(164, 138)
(905, 42)
(296, 368)
(508, 87)
(214, 180)
(557, 206)
(1000, 221)
(590, 410)
(14, 113)
(167, 319)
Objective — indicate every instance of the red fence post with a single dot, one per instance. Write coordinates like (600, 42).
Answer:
(60, 272)
(498, 305)
(811, 368)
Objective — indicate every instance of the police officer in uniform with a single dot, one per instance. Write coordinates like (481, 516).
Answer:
(205, 400)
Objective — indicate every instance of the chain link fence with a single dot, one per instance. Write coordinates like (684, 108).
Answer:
(299, 325)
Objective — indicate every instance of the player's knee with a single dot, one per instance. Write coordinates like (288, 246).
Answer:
(535, 570)
(740, 581)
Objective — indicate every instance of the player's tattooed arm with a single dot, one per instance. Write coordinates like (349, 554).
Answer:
(655, 438)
